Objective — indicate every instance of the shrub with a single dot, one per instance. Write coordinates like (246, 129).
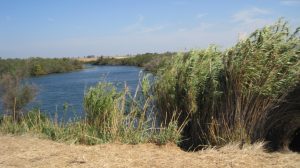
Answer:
(15, 94)
(230, 96)
(101, 110)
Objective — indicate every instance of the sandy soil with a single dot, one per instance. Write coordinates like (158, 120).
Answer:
(27, 151)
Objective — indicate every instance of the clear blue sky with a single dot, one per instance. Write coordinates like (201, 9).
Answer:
(65, 28)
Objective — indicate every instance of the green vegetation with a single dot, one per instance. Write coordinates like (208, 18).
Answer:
(110, 116)
(38, 66)
(150, 61)
(16, 94)
(201, 98)
(233, 95)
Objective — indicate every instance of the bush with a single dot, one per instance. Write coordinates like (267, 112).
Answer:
(101, 110)
(230, 96)
(15, 95)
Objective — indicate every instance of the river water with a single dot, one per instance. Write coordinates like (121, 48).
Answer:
(62, 94)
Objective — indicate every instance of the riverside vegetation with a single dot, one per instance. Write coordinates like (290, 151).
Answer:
(201, 98)
(149, 61)
(110, 116)
(38, 66)
(14, 92)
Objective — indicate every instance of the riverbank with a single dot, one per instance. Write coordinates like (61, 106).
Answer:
(38, 66)
(201, 98)
(148, 61)
(28, 151)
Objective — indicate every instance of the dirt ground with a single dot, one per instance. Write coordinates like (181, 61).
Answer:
(28, 151)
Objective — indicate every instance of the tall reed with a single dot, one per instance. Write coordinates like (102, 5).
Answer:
(228, 96)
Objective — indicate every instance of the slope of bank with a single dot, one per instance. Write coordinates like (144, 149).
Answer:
(27, 151)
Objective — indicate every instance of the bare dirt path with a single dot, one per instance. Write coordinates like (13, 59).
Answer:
(26, 151)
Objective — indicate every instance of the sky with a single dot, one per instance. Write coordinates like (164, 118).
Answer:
(71, 28)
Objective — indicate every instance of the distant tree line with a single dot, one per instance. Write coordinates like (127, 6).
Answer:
(39, 66)
(150, 61)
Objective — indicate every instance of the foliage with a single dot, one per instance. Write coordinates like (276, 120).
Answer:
(247, 93)
(15, 94)
(37, 70)
(110, 116)
(267, 61)
(150, 61)
(231, 96)
(38, 66)
(100, 103)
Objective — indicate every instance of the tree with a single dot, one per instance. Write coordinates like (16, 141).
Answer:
(15, 94)
(37, 70)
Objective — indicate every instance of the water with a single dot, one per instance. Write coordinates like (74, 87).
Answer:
(57, 90)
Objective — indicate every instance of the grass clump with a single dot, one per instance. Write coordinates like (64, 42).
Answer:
(232, 95)
(127, 118)
(100, 104)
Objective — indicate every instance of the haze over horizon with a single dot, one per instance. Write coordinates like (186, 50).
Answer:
(69, 28)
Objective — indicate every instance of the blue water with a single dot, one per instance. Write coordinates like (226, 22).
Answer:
(55, 90)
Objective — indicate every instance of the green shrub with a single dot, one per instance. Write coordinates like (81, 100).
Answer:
(15, 95)
(229, 96)
(100, 104)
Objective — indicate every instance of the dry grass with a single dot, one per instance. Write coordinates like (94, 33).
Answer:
(87, 59)
(26, 151)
